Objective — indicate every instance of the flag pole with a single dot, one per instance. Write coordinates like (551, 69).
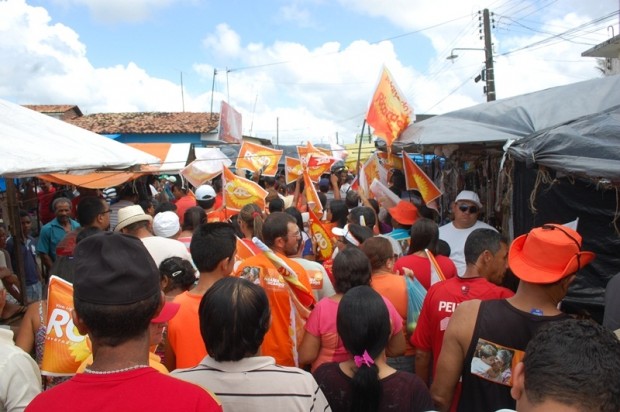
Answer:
(359, 149)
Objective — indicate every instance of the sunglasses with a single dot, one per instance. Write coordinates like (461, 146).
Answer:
(471, 209)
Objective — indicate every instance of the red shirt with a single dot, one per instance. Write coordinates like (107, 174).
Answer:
(183, 204)
(46, 214)
(421, 267)
(441, 301)
(143, 389)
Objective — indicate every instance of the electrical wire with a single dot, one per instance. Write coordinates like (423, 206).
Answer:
(453, 91)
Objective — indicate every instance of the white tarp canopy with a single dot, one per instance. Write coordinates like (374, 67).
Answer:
(516, 117)
(32, 143)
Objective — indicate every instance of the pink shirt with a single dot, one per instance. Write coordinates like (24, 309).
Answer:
(322, 324)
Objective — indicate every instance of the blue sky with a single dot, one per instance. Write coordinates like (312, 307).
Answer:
(312, 64)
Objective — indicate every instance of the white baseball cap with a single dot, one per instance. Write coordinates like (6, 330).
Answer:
(205, 192)
(469, 196)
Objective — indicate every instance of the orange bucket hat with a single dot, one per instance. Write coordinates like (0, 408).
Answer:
(404, 213)
(547, 254)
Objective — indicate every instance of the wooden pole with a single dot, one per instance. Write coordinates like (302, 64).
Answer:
(359, 149)
(15, 227)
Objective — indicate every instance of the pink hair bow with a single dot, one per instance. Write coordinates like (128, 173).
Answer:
(364, 359)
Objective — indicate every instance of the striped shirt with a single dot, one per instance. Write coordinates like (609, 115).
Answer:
(257, 384)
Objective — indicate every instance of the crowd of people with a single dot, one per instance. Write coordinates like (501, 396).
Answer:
(191, 306)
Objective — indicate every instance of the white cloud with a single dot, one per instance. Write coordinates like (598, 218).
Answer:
(225, 42)
(297, 14)
(314, 92)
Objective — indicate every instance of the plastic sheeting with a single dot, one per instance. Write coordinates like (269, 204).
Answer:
(587, 147)
(33, 143)
(516, 117)
(563, 201)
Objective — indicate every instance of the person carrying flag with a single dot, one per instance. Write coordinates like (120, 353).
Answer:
(286, 284)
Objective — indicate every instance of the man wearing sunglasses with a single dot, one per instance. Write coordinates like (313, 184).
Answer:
(465, 209)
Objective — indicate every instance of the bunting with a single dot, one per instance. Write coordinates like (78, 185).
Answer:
(389, 113)
(418, 180)
(239, 192)
(322, 237)
(258, 159)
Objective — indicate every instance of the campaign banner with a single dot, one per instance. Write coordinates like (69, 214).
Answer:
(312, 197)
(416, 179)
(258, 159)
(230, 124)
(322, 237)
(318, 165)
(64, 348)
(292, 169)
(239, 192)
(389, 113)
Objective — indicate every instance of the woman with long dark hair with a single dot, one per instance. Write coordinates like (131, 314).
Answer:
(423, 245)
(321, 343)
(337, 214)
(366, 383)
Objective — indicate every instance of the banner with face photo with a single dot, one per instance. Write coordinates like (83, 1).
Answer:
(495, 362)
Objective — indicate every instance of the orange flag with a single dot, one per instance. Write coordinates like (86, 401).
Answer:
(256, 158)
(243, 250)
(416, 179)
(389, 113)
(64, 348)
(390, 161)
(239, 192)
(322, 237)
(304, 152)
(312, 197)
(292, 169)
(318, 165)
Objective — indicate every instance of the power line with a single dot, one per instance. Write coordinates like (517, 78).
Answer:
(455, 90)
(258, 66)
(570, 32)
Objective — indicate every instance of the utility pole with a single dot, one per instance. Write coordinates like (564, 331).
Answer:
(182, 96)
(213, 90)
(488, 54)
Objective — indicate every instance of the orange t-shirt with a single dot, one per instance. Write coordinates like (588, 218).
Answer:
(184, 332)
(287, 320)
(394, 288)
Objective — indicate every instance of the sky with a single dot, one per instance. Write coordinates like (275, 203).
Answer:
(297, 70)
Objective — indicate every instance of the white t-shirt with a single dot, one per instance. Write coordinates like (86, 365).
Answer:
(456, 239)
(313, 269)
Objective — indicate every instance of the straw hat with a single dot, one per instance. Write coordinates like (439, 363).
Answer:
(129, 215)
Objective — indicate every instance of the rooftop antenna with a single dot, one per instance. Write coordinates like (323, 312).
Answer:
(253, 112)
(182, 96)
